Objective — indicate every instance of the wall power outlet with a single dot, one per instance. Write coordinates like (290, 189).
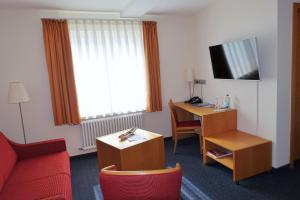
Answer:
(199, 81)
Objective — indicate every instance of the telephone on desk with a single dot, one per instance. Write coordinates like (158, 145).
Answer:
(194, 100)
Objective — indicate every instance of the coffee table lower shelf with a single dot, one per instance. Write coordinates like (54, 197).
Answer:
(251, 155)
(226, 161)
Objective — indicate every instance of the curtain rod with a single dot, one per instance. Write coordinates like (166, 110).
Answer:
(113, 19)
(93, 18)
(108, 19)
(75, 15)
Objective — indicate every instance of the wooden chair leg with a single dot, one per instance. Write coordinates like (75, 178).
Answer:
(175, 142)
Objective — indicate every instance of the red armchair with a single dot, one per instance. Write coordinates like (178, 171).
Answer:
(34, 171)
(141, 185)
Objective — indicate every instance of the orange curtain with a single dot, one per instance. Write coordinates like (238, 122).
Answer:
(154, 102)
(60, 71)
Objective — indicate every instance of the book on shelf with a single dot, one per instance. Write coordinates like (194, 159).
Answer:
(218, 153)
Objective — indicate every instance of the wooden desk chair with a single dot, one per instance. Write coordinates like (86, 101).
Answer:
(141, 185)
(183, 127)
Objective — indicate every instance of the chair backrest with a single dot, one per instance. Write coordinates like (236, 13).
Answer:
(173, 113)
(8, 159)
(141, 185)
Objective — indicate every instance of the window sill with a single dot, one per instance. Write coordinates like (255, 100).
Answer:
(111, 116)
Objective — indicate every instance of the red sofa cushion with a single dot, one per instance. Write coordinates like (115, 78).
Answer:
(40, 166)
(56, 187)
(8, 159)
(39, 178)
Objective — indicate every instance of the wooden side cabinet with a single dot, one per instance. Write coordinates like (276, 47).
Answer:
(147, 154)
(251, 155)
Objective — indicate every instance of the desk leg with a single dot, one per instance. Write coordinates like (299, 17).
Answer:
(201, 143)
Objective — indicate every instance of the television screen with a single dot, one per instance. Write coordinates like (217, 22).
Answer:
(235, 60)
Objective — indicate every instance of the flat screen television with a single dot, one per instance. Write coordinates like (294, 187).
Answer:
(235, 60)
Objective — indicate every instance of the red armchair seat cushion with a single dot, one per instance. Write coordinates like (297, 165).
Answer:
(40, 177)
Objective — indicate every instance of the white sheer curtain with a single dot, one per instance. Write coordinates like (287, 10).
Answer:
(109, 66)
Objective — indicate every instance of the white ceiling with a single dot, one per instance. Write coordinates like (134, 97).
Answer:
(85, 5)
(128, 7)
(179, 6)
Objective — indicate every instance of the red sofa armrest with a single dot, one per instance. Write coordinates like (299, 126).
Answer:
(30, 150)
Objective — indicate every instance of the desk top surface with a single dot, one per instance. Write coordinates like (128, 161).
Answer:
(114, 140)
(236, 140)
(200, 111)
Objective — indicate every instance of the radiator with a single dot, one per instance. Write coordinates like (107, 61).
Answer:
(91, 129)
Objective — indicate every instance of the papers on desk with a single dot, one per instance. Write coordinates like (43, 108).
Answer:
(206, 105)
(221, 109)
(136, 137)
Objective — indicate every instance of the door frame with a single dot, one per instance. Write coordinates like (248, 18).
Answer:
(295, 62)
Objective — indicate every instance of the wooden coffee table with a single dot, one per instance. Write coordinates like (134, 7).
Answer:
(147, 154)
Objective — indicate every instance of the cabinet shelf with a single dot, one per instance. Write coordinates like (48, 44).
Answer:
(227, 161)
(251, 155)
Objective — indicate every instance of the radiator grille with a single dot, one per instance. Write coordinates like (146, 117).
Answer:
(91, 129)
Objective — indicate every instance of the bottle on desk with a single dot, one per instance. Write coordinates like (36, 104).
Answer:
(227, 101)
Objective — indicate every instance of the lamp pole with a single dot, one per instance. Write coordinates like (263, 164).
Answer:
(190, 80)
(20, 108)
(190, 88)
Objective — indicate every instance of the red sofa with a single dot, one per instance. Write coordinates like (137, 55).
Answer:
(34, 171)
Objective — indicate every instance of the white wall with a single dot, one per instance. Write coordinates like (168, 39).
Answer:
(22, 59)
(284, 56)
(176, 55)
(284, 80)
(237, 19)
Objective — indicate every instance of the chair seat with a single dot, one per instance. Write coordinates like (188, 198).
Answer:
(192, 123)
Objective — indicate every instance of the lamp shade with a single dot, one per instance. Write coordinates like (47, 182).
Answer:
(190, 75)
(17, 93)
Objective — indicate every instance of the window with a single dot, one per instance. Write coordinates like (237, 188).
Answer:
(109, 66)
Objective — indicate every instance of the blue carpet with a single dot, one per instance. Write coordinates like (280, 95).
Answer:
(188, 191)
(97, 192)
(214, 180)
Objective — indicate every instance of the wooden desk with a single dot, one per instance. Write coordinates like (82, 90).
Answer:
(146, 154)
(200, 111)
(212, 121)
(251, 154)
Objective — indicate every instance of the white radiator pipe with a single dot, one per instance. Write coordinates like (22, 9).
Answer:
(93, 128)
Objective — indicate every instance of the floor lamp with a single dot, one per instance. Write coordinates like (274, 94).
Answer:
(17, 94)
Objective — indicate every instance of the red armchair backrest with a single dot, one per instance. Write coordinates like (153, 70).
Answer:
(140, 185)
(8, 159)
